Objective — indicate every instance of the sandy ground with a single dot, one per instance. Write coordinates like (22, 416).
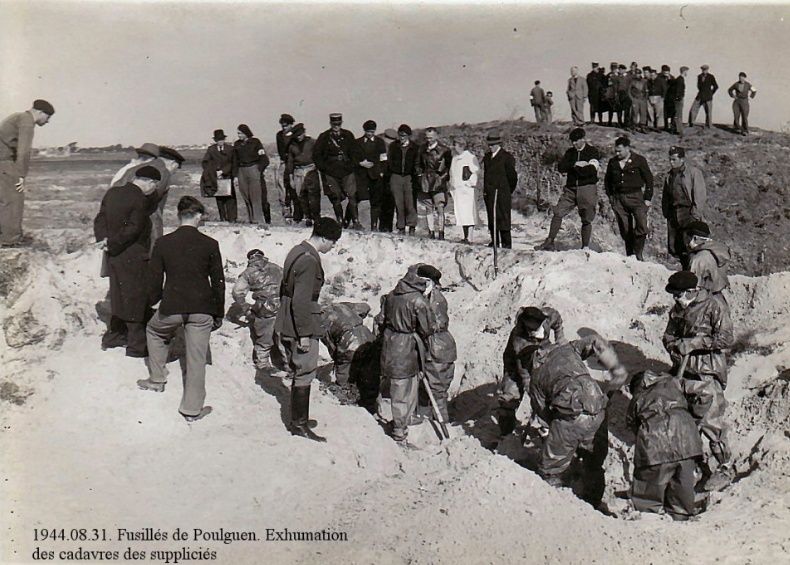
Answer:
(83, 448)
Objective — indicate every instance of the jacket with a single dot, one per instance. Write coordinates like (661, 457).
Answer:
(637, 90)
(561, 386)
(343, 329)
(248, 153)
(742, 90)
(631, 176)
(658, 86)
(441, 344)
(594, 85)
(706, 87)
(373, 150)
(16, 140)
(402, 162)
(499, 181)
(580, 176)
(336, 155)
(434, 166)
(708, 262)
(577, 88)
(263, 278)
(190, 264)
(678, 88)
(283, 141)
(303, 277)
(537, 96)
(704, 331)
(216, 164)
(684, 188)
(300, 154)
(517, 357)
(660, 416)
(406, 323)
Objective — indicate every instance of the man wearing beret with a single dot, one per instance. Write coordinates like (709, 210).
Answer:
(123, 229)
(402, 163)
(684, 199)
(218, 167)
(336, 155)
(740, 92)
(370, 172)
(708, 258)
(627, 173)
(16, 142)
(289, 202)
(706, 88)
(499, 181)
(700, 330)
(581, 163)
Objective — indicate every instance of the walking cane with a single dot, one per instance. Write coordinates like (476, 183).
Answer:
(494, 234)
(434, 406)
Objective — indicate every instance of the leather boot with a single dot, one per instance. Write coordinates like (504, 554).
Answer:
(507, 421)
(300, 411)
(441, 235)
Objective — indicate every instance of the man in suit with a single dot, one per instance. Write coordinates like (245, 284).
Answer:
(706, 88)
(370, 174)
(218, 166)
(336, 154)
(123, 229)
(577, 92)
(499, 181)
(594, 90)
(16, 141)
(193, 297)
(297, 327)
(537, 99)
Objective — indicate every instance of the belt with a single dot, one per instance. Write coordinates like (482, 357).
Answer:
(253, 164)
(309, 166)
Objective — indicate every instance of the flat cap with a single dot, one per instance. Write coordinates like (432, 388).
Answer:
(148, 172)
(742, 74)
(664, 68)
(429, 272)
(577, 134)
(391, 133)
(328, 228)
(704, 67)
(253, 252)
(675, 150)
(43, 106)
(680, 281)
(298, 129)
(404, 128)
(531, 317)
(286, 119)
(698, 227)
(170, 153)
(335, 118)
(369, 125)
(151, 149)
(684, 68)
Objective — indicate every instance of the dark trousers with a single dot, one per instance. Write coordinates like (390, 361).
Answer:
(387, 213)
(301, 365)
(667, 485)
(503, 238)
(585, 198)
(695, 106)
(631, 213)
(375, 190)
(677, 117)
(228, 211)
(12, 203)
(122, 333)
(439, 376)
(740, 111)
(677, 239)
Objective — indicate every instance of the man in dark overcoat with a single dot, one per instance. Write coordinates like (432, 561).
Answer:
(123, 229)
(499, 182)
(370, 173)
(218, 165)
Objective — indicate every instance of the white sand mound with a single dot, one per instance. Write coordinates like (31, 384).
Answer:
(83, 448)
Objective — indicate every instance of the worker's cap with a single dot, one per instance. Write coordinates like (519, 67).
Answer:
(286, 119)
(613, 65)
(391, 133)
(219, 135)
(704, 67)
(43, 106)
(150, 149)
(594, 64)
(675, 150)
(698, 227)
(494, 137)
(742, 74)
(429, 272)
(664, 68)
(170, 153)
(634, 64)
(328, 228)
(683, 69)
(336, 118)
(577, 134)
(681, 281)
(148, 172)
(255, 253)
(647, 69)
(404, 129)
(622, 67)
(298, 129)
(531, 317)
(637, 71)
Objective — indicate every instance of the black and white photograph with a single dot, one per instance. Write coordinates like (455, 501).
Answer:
(394, 282)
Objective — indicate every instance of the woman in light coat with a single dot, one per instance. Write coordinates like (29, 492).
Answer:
(463, 180)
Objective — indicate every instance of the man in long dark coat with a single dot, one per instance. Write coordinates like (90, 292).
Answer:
(218, 165)
(499, 182)
(123, 229)
(370, 173)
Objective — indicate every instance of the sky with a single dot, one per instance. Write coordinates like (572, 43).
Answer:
(170, 73)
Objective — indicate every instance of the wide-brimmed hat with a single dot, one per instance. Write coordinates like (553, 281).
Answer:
(219, 135)
(493, 137)
(150, 149)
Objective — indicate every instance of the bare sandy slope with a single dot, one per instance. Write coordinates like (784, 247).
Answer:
(83, 448)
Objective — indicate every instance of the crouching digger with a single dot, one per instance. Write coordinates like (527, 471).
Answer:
(262, 278)
(530, 333)
(573, 406)
(700, 329)
(407, 322)
(668, 445)
(344, 337)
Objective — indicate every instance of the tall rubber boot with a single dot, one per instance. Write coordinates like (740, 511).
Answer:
(300, 411)
(507, 421)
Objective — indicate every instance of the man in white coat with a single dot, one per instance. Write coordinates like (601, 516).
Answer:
(463, 180)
